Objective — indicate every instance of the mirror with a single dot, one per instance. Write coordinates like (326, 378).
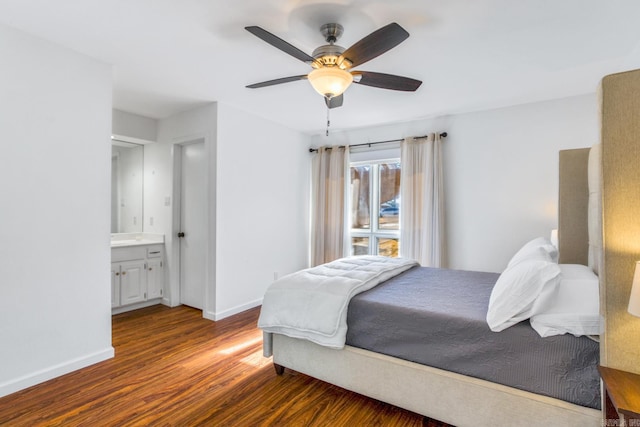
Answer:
(126, 187)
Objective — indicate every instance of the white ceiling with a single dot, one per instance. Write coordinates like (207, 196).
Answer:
(169, 56)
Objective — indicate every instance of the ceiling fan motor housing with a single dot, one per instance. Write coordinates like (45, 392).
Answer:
(328, 54)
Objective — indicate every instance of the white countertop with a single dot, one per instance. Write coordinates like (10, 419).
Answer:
(121, 240)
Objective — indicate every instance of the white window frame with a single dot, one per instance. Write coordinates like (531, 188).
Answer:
(374, 232)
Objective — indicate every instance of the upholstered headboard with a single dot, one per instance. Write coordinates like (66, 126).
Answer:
(573, 202)
(596, 251)
(620, 139)
(580, 207)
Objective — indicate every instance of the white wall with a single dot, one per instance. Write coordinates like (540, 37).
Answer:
(133, 125)
(258, 202)
(262, 207)
(500, 171)
(55, 118)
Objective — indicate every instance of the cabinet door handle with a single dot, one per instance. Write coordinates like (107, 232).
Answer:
(150, 268)
(124, 272)
(117, 274)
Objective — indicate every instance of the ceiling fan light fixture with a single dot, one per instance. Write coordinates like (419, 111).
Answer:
(330, 81)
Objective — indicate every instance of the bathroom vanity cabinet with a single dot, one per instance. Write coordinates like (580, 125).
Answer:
(137, 276)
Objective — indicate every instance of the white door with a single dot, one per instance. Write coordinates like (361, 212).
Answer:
(193, 219)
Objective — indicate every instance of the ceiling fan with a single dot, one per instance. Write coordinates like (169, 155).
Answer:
(332, 64)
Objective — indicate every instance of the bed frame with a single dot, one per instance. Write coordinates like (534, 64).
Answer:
(449, 397)
(453, 398)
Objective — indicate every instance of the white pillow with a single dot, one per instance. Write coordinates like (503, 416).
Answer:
(513, 298)
(577, 272)
(530, 248)
(576, 309)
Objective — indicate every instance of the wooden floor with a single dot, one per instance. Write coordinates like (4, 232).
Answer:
(174, 368)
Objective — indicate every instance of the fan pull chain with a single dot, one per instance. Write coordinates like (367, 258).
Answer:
(328, 120)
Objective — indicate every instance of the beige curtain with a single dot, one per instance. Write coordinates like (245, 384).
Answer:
(422, 203)
(328, 204)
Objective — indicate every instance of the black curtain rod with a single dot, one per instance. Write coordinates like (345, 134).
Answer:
(442, 135)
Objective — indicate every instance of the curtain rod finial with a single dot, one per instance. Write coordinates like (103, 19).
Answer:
(443, 135)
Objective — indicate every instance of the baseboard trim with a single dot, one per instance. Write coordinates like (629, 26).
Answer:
(230, 312)
(136, 306)
(54, 371)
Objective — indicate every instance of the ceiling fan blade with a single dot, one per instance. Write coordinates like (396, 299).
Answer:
(277, 81)
(386, 81)
(279, 43)
(334, 102)
(374, 44)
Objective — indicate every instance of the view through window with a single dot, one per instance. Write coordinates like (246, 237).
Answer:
(375, 208)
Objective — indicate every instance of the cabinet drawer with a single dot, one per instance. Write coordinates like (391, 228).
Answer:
(129, 253)
(154, 251)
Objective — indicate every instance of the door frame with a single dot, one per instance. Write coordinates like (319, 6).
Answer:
(173, 240)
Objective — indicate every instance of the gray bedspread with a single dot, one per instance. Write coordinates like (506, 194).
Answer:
(437, 317)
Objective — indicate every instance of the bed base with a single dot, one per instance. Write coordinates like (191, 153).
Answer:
(452, 398)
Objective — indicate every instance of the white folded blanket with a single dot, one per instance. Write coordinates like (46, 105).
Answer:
(312, 303)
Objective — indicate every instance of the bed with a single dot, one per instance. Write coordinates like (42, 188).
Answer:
(387, 369)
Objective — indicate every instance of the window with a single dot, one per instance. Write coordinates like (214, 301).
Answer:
(375, 208)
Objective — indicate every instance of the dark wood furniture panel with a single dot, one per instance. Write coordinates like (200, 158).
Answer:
(622, 396)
